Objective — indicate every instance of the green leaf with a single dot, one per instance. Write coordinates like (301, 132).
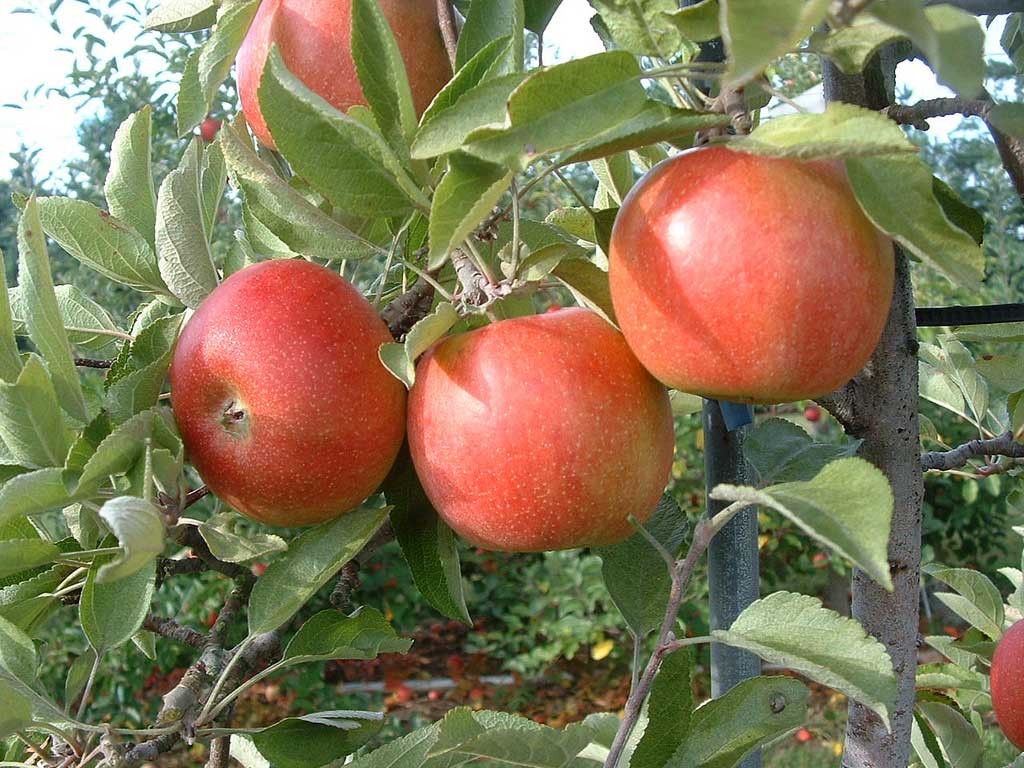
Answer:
(926, 746)
(225, 544)
(562, 106)
(10, 360)
(114, 455)
(445, 126)
(779, 451)
(134, 383)
(42, 315)
(958, 739)
(539, 14)
(111, 612)
(946, 676)
(34, 492)
(400, 359)
(847, 506)
(656, 122)
(103, 243)
(311, 560)
(642, 27)
(381, 73)
(488, 20)
(850, 48)
(1008, 118)
(331, 634)
(182, 245)
(15, 709)
(957, 211)
(949, 377)
(896, 194)
(183, 16)
(842, 130)
(977, 601)
(668, 712)
(636, 575)
(697, 22)
(754, 712)
(17, 653)
(588, 284)
(951, 40)
(18, 555)
(797, 632)
(86, 323)
(1005, 372)
(343, 159)
(427, 543)
(78, 676)
(614, 175)
(410, 751)
(213, 178)
(131, 196)
(489, 62)
(756, 32)
(139, 529)
(463, 199)
(211, 63)
(31, 425)
(522, 744)
(327, 735)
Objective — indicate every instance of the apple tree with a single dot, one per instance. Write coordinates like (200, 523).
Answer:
(397, 145)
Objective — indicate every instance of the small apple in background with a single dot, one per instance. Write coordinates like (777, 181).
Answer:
(820, 560)
(208, 129)
(539, 433)
(281, 400)
(803, 735)
(313, 38)
(1008, 684)
(748, 278)
(812, 413)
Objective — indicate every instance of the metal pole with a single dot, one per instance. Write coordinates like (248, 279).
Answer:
(733, 569)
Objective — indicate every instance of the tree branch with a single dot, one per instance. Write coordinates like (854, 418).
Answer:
(449, 32)
(172, 630)
(409, 308)
(917, 114)
(220, 752)
(1004, 445)
(147, 751)
(983, 7)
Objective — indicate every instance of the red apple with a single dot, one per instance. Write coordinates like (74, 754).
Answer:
(747, 278)
(812, 413)
(803, 735)
(1008, 684)
(540, 432)
(313, 37)
(208, 129)
(280, 398)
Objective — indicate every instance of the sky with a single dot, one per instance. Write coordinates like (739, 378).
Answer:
(29, 59)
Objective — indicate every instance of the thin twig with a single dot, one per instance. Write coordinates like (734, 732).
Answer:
(449, 32)
(918, 114)
(1003, 445)
(88, 362)
(172, 630)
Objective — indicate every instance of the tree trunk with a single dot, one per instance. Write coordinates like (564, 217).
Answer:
(882, 407)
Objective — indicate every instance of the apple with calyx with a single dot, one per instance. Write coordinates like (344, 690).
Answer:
(283, 405)
(1008, 684)
(314, 39)
(540, 432)
(747, 278)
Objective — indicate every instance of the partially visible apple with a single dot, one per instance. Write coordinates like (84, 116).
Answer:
(208, 129)
(747, 278)
(282, 403)
(314, 39)
(1008, 684)
(540, 432)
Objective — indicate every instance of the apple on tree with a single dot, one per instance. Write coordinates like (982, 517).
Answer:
(280, 398)
(208, 129)
(1008, 684)
(313, 37)
(750, 279)
(540, 432)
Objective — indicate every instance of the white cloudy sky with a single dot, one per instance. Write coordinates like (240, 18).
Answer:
(28, 59)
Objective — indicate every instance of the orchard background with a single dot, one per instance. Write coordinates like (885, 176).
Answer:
(143, 622)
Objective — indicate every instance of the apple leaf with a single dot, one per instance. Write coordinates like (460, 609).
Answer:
(17, 555)
(87, 324)
(635, 574)
(18, 656)
(668, 711)
(136, 379)
(842, 130)
(112, 611)
(182, 244)
(42, 315)
(780, 451)
(31, 425)
(10, 356)
(847, 506)
(642, 27)
(34, 492)
(756, 33)
(698, 22)
(15, 710)
(1008, 118)
(959, 740)
(400, 359)
(797, 632)
(183, 16)
(977, 601)
(331, 634)
(409, 751)
(947, 676)
(486, 21)
(311, 560)
(129, 190)
(588, 284)
(226, 545)
(752, 713)
(489, 62)
(115, 454)
(347, 162)
(463, 199)
(896, 194)
(427, 543)
(213, 175)
(328, 735)
(208, 66)
(139, 529)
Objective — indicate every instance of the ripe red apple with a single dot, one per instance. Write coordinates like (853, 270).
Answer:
(803, 735)
(313, 37)
(747, 278)
(208, 129)
(1008, 684)
(540, 432)
(280, 398)
(812, 413)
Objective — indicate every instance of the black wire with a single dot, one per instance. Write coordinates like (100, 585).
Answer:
(983, 315)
